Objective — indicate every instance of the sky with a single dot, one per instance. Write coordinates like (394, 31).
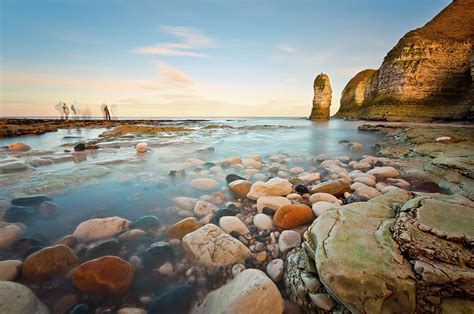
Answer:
(192, 58)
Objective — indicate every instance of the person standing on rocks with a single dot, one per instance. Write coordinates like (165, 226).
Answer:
(66, 111)
(107, 113)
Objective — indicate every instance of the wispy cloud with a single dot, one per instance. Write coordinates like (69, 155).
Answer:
(169, 77)
(287, 49)
(189, 41)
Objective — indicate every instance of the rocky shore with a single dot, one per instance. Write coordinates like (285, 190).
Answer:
(390, 232)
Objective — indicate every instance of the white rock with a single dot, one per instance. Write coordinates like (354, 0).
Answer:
(186, 203)
(232, 223)
(323, 301)
(237, 269)
(273, 187)
(211, 247)
(141, 147)
(100, 228)
(275, 269)
(289, 239)
(18, 147)
(203, 208)
(9, 234)
(166, 269)
(323, 197)
(251, 292)
(273, 202)
(442, 138)
(205, 184)
(263, 222)
(294, 197)
(382, 173)
(320, 207)
(296, 170)
(17, 298)
(9, 269)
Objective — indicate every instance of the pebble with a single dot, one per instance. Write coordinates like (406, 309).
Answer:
(382, 173)
(275, 269)
(18, 147)
(273, 202)
(166, 269)
(205, 184)
(17, 298)
(203, 208)
(186, 203)
(273, 187)
(9, 269)
(326, 197)
(49, 261)
(263, 222)
(320, 207)
(141, 147)
(9, 233)
(99, 228)
(19, 214)
(323, 301)
(240, 188)
(261, 257)
(182, 228)
(289, 239)
(292, 215)
(367, 192)
(232, 223)
(296, 170)
(237, 269)
(158, 254)
(131, 234)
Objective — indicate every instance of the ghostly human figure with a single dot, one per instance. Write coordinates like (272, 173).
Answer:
(114, 110)
(59, 108)
(66, 111)
(75, 110)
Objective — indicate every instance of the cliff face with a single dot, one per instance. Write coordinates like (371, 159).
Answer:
(322, 98)
(426, 76)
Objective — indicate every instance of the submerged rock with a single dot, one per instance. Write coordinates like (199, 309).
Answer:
(204, 184)
(9, 269)
(17, 298)
(141, 147)
(108, 275)
(48, 262)
(250, 292)
(20, 214)
(211, 247)
(240, 187)
(177, 300)
(18, 147)
(9, 233)
(30, 200)
(158, 254)
(99, 228)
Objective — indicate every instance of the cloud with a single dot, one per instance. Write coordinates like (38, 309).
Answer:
(287, 49)
(190, 40)
(169, 77)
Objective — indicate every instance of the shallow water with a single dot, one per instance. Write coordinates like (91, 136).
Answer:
(116, 181)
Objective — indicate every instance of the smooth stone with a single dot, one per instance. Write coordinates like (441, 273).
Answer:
(177, 300)
(147, 222)
(292, 215)
(296, 170)
(268, 211)
(14, 167)
(273, 187)
(288, 239)
(382, 173)
(204, 208)
(240, 188)
(301, 189)
(131, 310)
(102, 247)
(251, 292)
(80, 147)
(9, 269)
(320, 207)
(49, 261)
(182, 228)
(365, 180)
(131, 234)
(224, 212)
(204, 184)
(30, 200)
(186, 203)
(311, 177)
(82, 308)
(99, 228)
(323, 301)
(19, 214)
(9, 234)
(18, 147)
(141, 147)
(273, 202)
(367, 192)
(333, 187)
(48, 210)
(211, 247)
(325, 197)
(166, 269)
(263, 222)
(232, 160)
(232, 223)
(16, 298)
(275, 269)
(158, 254)
(108, 275)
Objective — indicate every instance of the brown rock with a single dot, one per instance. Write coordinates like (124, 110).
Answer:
(108, 275)
(49, 261)
(291, 216)
(240, 188)
(322, 98)
(333, 187)
(182, 228)
(68, 240)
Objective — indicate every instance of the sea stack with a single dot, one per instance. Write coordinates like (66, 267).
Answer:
(322, 98)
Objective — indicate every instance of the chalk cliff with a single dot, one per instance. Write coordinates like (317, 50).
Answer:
(426, 76)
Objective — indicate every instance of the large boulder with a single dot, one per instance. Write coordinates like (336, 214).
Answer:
(322, 98)
(212, 247)
(357, 260)
(426, 76)
(251, 292)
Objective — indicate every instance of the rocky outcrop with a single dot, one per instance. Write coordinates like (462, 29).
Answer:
(322, 98)
(426, 76)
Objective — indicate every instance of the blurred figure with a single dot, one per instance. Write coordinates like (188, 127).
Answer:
(107, 113)
(66, 111)
(76, 110)
(114, 111)
(60, 108)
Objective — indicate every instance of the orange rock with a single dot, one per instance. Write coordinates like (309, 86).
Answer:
(240, 188)
(333, 187)
(182, 228)
(291, 216)
(106, 275)
(49, 261)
